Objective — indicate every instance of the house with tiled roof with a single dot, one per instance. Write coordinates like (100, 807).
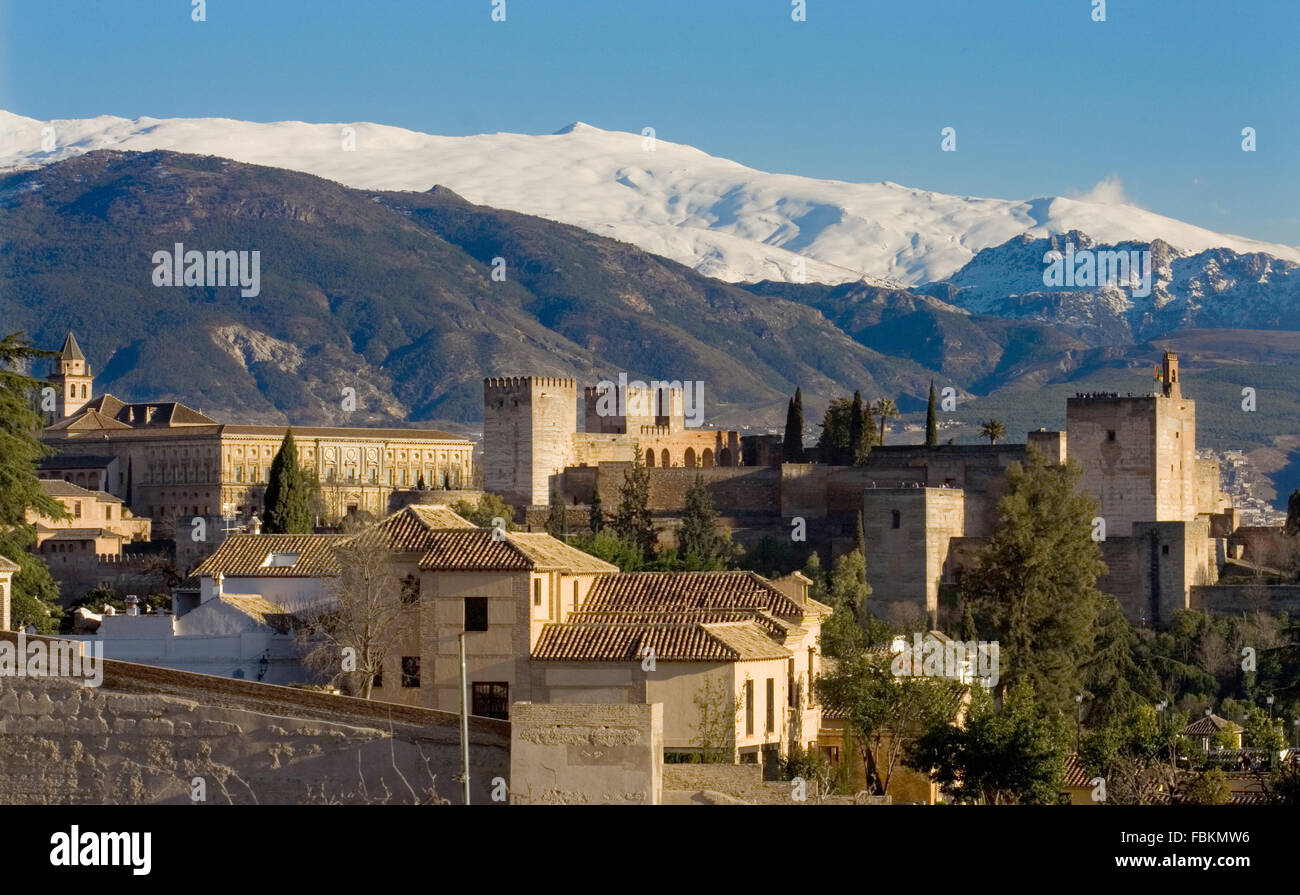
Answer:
(1206, 728)
(730, 655)
(89, 509)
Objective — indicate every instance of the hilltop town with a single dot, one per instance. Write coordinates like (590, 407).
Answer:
(702, 605)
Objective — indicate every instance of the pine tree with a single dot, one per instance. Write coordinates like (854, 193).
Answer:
(288, 493)
(931, 421)
(1035, 581)
(701, 545)
(596, 516)
(632, 520)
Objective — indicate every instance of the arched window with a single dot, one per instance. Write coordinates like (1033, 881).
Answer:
(706, 459)
(650, 457)
(666, 461)
(689, 459)
(83, 390)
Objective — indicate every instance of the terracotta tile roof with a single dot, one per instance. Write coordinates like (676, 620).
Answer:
(1076, 775)
(245, 556)
(728, 642)
(1208, 726)
(680, 591)
(475, 549)
(410, 529)
(87, 420)
(773, 626)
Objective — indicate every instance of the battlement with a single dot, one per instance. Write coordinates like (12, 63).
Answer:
(514, 382)
(657, 431)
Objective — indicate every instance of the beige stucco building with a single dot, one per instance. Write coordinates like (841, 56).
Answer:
(168, 461)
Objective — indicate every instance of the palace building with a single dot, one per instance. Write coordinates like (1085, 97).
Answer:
(168, 461)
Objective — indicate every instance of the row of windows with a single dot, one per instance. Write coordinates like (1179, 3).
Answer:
(770, 719)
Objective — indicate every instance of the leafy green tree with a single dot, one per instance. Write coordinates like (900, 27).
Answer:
(288, 493)
(1111, 670)
(931, 421)
(34, 593)
(1135, 754)
(833, 446)
(1034, 583)
(701, 542)
(632, 519)
(1259, 731)
(1011, 756)
(886, 711)
(1209, 787)
(993, 430)
(792, 449)
(489, 506)
(608, 545)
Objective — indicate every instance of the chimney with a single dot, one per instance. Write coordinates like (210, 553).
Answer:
(254, 526)
(218, 581)
(132, 604)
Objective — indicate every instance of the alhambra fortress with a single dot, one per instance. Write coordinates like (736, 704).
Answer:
(581, 678)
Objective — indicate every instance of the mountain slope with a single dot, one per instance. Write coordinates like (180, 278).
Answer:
(388, 293)
(714, 215)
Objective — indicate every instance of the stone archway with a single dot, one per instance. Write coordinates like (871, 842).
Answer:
(665, 460)
(706, 459)
(689, 459)
(650, 457)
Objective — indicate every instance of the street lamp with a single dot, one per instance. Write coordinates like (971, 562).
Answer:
(1078, 722)
(1269, 700)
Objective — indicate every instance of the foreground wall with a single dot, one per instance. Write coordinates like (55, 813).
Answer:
(147, 733)
(586, 754)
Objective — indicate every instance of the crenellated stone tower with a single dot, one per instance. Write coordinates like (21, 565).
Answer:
(529, 423)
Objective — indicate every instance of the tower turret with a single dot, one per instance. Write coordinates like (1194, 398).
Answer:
(73, 379)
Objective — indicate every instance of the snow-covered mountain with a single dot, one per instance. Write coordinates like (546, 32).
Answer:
(1215, 288)
(719, 217)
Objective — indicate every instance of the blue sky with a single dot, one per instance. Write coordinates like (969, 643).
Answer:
(1045, 101)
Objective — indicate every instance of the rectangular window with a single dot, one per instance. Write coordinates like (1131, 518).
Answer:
(537, 591)
(76, 509)
(1110, 434)
(108, 512)
(812, 691)
(749, 708)
(575, 596)
(771, 705)
(410, 590)
(329, 474)
(239, 473)
(389, 476)
(789, 682)
(374, 476)
(410, 671)
(476, 614)
(491, 699)
(378, 682)
(403, 477)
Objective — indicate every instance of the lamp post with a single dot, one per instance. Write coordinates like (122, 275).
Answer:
(464, 721)
(1269, 700)
(1078, 722)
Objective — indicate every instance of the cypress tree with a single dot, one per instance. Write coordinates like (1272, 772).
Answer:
(788, 446)
(793, 452)
(856, 432)
(556, 525)
(288, 493)
(931, 422)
